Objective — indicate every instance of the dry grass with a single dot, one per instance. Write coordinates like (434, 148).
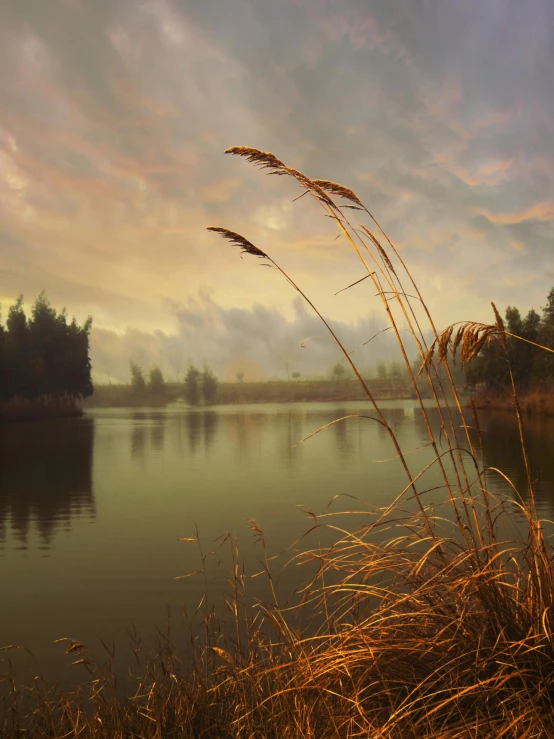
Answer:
(423, 622)
(532, 403)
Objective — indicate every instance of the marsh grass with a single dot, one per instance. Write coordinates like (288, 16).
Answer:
(421, 621)
(533, 403)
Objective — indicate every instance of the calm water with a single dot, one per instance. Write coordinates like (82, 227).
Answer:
(91, 510)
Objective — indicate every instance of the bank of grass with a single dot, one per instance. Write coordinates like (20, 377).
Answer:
(295, 391)
(23, 409)
(536, 403)
(422, 622)
(124, 396)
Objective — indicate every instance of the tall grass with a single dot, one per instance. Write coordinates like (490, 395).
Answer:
(423, 621)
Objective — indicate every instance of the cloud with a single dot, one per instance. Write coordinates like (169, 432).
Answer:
(537, 212)
(114, 116)
(260, 338)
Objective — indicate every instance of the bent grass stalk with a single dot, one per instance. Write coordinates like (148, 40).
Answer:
(428, 626)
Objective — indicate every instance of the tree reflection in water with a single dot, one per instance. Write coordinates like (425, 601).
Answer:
(46, 477)
(502, 449)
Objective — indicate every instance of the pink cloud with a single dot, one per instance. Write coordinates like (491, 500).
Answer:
(538, 212)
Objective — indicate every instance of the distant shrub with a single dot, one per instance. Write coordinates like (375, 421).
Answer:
(338, 371)
(157, 382)
(192, 385)
(209, 385)
(138, 383)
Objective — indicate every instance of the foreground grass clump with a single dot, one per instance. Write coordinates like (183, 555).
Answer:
(425, 621)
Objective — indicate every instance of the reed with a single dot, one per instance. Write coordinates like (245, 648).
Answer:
(423, 621)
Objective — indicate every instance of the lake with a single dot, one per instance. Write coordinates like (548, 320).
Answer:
(92, 509)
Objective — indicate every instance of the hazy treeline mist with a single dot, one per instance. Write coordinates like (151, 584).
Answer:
(261, 342)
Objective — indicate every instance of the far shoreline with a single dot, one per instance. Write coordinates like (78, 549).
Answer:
(535, 403)
(241, 393)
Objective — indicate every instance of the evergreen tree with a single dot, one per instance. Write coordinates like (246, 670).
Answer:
(17, 351)
(3, 361)
(544, 362)
(157, 382)
(44, 356)
(531, 367)
(138, 383)
(209, 385)
(192, 385)
(338, 371)
(382, 372)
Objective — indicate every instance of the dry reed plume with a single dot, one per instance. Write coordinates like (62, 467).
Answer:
(425, 625)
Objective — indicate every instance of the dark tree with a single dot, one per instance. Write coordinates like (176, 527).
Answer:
(192, 385)
(530, 366)
(338, 370)
(382, 372)
(209, 385)
(44, 357)
(157, 382)
(138, 383)
(396, 370)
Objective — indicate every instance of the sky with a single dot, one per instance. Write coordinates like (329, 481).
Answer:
(114, 119)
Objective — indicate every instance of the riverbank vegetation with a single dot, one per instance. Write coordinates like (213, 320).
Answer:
(228, 393)
(44, 362)
(430, 618)
(531, 368)
(390, 382)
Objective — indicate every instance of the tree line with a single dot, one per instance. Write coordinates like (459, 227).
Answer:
(45, 355)
(532, 367)
(197, 385)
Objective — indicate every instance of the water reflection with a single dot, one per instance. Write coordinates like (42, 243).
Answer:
(247, 429)
(138, 436)
(502, 449)
(210, 420)
(159, 473)
(45, 477)
(343, 435)
(290, 449)
(157, 433)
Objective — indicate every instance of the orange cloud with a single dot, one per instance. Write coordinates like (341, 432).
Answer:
(537, 212)
(486, 174)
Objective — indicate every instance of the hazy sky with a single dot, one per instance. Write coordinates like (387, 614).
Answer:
(114, 115)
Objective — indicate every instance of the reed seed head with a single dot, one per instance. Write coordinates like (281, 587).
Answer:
(263, 159)
(340, 190)
(238, 240)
